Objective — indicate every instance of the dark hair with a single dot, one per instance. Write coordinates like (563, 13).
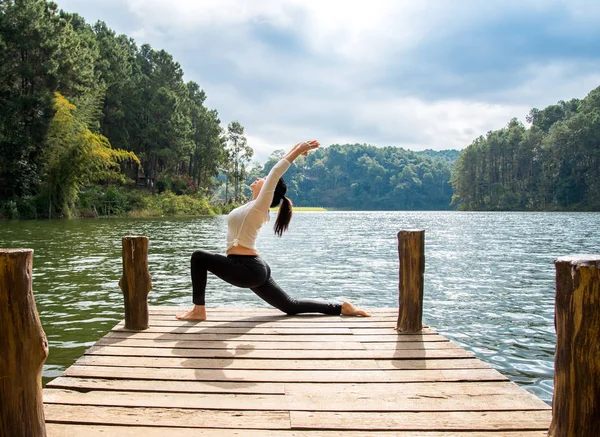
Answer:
(284, 216)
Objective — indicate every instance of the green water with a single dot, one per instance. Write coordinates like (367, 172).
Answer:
(489, 280)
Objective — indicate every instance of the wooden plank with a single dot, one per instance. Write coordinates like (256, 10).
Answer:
(301, 320)
(433, 364)
(386, 330)
(197, 335)
(166, 386)
(237, 363)
(196, 340)
(431, 389)
(380, 389)
(479, 392)
(71, 430)
(250, 310)
(276, 364)
(276, 315)
(395, 402)
(167, 417)
(145, 348)
(463, 420)
(277, 329)
(201, 329)
(307, 329)
(234, 345)
(370, 345)
(282, 324)
(363, 376)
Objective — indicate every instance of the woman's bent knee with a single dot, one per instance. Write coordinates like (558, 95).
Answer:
(200, 255)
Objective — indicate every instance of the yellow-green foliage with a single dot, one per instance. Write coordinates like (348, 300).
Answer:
(75, 156)
(169, 204)
(119, 201)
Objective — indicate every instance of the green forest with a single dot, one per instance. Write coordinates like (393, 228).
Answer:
(372, 178)
(87, 115)
(553, 165)
(93, 124)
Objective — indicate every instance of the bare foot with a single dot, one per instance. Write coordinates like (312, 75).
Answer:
(350, 310)
(197, 313)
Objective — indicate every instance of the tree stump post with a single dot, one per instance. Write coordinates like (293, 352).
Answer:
(411, 252)
(576, 400)
(23, 348)
(135, 282)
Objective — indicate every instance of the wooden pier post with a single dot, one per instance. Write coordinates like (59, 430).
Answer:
(411, 252)
(136, 282)
(23, 348)
(576, 401)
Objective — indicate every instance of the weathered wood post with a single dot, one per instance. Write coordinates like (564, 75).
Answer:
(411, 251)
(576, 401)
(135, 282)
(23, 348)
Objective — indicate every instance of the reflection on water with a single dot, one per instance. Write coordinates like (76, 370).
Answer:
(489, 277)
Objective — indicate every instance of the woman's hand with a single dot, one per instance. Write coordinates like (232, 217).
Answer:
(306, 146)
(301, 149)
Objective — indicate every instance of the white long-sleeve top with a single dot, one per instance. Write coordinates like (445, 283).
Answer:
(244, 222)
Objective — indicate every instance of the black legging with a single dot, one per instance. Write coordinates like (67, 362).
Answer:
(251, 272)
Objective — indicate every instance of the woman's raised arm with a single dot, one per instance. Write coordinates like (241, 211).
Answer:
(301, 149)
(263, 201)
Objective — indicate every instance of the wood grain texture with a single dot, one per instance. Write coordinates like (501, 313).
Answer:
(276, 322)
(411, 253)
(276, 363)
(23, 348)
(136, 385)
(199, 335)
(135, 282)
(187, 417)
(323, 376)
(423, 420)
(269, 350)
(576, 399)
(74, 430)
(299, 401)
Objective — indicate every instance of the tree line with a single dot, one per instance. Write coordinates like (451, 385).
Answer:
(82, 105)
(553, 165)
(359, 176)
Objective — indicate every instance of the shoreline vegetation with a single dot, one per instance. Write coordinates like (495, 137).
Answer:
(122, 202)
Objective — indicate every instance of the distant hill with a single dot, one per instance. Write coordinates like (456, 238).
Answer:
(359, 176)
(450, 155)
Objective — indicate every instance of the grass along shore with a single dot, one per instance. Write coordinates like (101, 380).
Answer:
(118, 201)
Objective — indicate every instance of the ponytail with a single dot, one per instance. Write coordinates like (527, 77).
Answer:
(284, 216)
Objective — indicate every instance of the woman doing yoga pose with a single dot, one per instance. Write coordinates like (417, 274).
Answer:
(243, 267)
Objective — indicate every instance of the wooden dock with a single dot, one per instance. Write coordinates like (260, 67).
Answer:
(255, 373)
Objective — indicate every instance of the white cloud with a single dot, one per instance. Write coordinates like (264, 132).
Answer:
(332, 89)
(382, 120)
(546, 84)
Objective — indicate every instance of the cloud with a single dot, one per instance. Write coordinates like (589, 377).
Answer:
(418, 74)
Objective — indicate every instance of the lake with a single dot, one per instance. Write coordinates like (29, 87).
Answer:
(489, 277)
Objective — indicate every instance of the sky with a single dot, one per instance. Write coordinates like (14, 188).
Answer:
(417, 74)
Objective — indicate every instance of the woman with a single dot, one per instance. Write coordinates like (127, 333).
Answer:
(243, 267)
